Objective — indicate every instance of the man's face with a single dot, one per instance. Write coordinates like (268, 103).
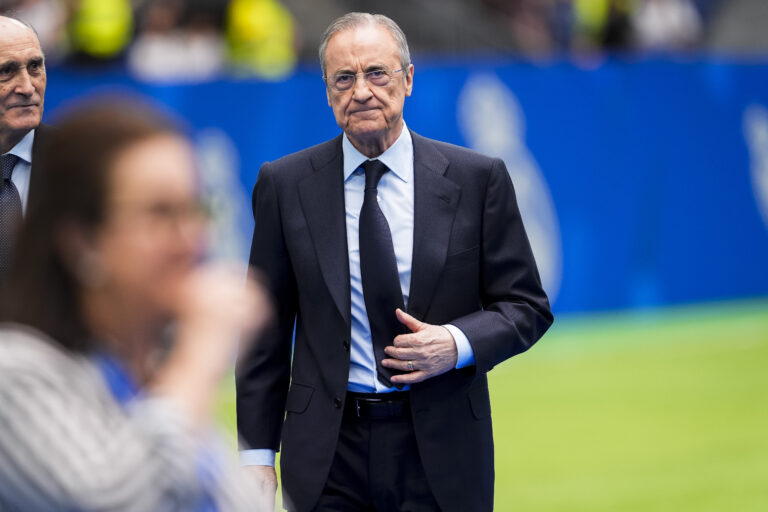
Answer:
(367, 111)
(22, 80)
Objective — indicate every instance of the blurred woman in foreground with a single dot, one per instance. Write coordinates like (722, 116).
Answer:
(116, 335)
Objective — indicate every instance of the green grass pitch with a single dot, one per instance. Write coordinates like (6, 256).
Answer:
(656, 411)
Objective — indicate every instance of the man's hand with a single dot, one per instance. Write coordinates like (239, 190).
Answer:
(266, 484)
(430, 349)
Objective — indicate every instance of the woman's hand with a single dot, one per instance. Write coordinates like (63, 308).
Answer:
(217, 308)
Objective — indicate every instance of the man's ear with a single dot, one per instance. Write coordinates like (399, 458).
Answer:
(409, 80)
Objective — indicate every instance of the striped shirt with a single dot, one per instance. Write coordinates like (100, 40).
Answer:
(66, 444)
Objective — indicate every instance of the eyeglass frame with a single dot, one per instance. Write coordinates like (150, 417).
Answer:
(163, 215)
(387, 72)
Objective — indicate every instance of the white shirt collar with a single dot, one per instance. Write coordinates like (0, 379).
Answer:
(23, 149)
(398, 157)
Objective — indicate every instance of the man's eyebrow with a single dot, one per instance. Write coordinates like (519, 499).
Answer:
(36, 60)
(344, 71)
(10, 63)
(370, 67)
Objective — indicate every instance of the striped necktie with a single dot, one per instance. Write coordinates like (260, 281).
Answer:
(10, 214)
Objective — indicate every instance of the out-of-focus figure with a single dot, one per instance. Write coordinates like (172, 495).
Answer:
(22, 95)
(199, 40)
(179, 41)
(116, 334)
(99, 30)
(667, 24)
(601, 24)
(260, 34)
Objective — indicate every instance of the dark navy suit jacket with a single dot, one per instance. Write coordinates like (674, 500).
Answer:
(472, 267)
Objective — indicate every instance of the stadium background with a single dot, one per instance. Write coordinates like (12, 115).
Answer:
(642, 174)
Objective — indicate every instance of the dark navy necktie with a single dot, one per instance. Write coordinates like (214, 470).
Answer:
(10, 214)
(378, 270)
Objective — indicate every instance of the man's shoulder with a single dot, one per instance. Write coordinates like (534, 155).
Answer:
(306, 159)
(453, 153)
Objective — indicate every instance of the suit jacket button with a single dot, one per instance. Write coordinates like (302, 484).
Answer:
(337, 402)
(346, 345)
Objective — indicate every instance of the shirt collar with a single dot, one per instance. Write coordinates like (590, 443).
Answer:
(398, 157)
(23, 149)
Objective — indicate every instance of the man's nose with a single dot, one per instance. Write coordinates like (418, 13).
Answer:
(362, 89)
(24, 84)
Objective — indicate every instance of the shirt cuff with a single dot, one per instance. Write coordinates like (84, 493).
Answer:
(259, 457)
(466, 354)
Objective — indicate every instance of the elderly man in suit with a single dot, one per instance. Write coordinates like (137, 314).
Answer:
(402, 268)
(22, 93)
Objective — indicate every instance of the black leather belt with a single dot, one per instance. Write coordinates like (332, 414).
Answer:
(377, 406)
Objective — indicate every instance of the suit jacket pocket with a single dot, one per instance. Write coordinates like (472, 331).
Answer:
(299, 397)
(479, 402)
(462, 258)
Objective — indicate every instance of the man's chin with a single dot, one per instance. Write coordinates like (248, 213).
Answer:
(366, 130)
(23, 118)
(12, 132)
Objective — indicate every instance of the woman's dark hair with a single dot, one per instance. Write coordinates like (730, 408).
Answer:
(75, 164)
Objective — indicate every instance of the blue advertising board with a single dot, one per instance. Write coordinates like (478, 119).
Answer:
(641, 183)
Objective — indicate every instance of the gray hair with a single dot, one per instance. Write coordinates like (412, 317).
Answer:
(360, 19)
(12, 17)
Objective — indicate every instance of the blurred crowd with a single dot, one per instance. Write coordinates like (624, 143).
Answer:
(541, 26)
(199, 39)
(165, 39)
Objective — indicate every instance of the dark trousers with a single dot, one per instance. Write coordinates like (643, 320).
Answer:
(376, 468)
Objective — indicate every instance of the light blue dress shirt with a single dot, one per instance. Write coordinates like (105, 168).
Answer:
(395, 195)
(22, 171)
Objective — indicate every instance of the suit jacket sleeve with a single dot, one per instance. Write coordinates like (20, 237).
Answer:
(262, 373)
(515, 310)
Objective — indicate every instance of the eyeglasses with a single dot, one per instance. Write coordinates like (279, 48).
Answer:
(165, 215)
(341, 82)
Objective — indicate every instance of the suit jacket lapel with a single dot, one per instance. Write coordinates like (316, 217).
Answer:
(436, 200)
(36, 177)
(322, 200)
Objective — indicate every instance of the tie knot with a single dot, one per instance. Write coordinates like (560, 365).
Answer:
(8, 162)
(374, 170)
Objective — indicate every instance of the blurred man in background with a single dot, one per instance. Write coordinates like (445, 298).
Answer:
(22, 93)
(405, 268)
